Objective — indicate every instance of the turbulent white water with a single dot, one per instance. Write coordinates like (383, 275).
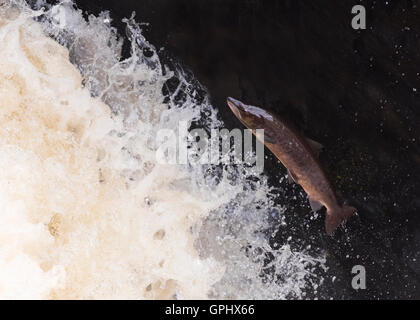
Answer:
(86, 210)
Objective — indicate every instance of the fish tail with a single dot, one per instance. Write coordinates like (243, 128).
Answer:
(336, 216)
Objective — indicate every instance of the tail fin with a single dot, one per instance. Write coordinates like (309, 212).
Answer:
(335, 217)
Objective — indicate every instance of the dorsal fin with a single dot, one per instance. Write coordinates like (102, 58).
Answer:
(315, 146)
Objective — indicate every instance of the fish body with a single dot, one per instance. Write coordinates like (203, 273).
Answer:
(299, 155)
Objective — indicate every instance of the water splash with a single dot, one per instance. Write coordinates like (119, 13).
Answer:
(89, 212)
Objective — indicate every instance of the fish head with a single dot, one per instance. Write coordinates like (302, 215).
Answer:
(238, 109)
(252, 117)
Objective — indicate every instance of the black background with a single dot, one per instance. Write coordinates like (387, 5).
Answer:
(356, 92)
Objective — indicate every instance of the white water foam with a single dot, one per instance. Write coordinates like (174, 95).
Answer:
(86, 211)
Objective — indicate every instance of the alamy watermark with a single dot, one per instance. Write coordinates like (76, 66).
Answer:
(219, 146)
(359, 20)
(359, 280)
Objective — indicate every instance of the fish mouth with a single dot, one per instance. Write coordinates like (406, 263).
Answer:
(235, 106)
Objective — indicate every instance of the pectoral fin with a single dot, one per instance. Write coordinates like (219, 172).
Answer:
(315, 146)
(264, 137)
(315, 205)
(268, 139)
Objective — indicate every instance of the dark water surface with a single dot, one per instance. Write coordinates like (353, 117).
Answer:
(356, 92)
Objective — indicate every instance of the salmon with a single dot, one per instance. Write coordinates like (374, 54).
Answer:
(299, 155)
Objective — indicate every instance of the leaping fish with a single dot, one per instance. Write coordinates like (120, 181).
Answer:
(299, 155)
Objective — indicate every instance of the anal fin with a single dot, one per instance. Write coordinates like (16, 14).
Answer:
(315, 205)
